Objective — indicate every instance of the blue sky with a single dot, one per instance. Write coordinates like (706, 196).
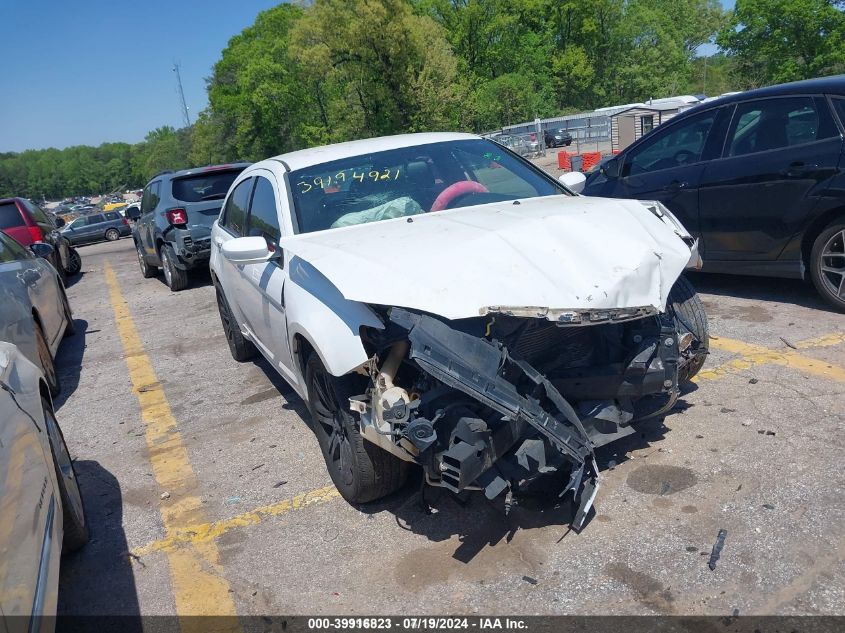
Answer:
(90, 71)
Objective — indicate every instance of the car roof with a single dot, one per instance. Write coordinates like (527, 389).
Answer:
(833, 85)
(199, 170)
(327, 153)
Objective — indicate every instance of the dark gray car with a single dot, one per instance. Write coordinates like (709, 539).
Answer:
(97, 227)
(177, 211)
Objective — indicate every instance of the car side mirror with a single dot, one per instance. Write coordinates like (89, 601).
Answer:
(610, 169)
(59, 222)
(574, 181)
(249, 250)
(41, 249)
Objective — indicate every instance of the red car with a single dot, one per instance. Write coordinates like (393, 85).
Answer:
(25, 222)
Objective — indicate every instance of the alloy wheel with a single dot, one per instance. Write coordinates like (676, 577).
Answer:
(44, 356)
(338, 449)
(832, 264)
(165, 264)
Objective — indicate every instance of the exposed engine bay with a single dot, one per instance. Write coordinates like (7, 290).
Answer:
(494, 402)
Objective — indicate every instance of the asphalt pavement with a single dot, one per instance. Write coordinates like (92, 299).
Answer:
(202, 478)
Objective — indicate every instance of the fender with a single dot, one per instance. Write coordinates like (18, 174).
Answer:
(317, 311)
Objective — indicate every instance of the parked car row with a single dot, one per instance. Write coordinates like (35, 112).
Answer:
(42, 509)
(28, 224)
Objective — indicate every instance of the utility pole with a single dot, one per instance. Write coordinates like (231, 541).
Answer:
(182, 95)
(704, 87)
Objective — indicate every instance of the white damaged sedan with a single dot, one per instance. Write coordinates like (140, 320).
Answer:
(438, 300)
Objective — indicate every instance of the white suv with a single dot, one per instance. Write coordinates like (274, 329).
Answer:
(438, 300)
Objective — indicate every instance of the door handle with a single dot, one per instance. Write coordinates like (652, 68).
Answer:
(676, 185)
(218, 241)
(798, 169)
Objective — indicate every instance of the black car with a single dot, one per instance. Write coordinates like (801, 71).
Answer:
(557, 138)
(177, 211)
(108, 226)
(758, 177)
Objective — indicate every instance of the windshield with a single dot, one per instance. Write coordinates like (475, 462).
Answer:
(211, 185)
(412, 180)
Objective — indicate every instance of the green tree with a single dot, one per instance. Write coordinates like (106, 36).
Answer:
(773, 41)
(375, 68)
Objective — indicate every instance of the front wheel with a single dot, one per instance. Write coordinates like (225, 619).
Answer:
(688, 311)
(360, 470)
(73, 510)
(175, 277)
(827, 265)
(147, 271)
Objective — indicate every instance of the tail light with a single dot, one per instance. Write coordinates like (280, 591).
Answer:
(125, 221)
(35, 233)
(176, 216)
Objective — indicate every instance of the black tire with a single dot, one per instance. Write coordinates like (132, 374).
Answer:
(70, 328)
(827, 265)
(686, 306)
(147, 271)
(112, 235)
(59, 267)
(74, 264)
(240, 348)
(73, 509)
(360, 470)
(48, 366)
(176, 278)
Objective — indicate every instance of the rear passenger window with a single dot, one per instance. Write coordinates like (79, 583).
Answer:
(10, 217)
(263, 216)
(37, 214)
(111, 215)
(234, 213)
(767, 124)
(13, 250)
(149, 200)
(96, 219)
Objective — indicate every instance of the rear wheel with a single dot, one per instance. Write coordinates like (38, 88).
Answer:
(176, 278)
(112, 235)
(74, 263)
(70, 328)
(73, 510)
(240, 348)
(360, 470)
(48, 367)
(827, 265)
(688, 310)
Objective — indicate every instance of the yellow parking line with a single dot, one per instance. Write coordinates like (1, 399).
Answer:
(205, 532)
(752, 355)
(198, 585)
(828, 340)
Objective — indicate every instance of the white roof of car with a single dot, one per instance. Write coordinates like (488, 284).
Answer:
(327, 153)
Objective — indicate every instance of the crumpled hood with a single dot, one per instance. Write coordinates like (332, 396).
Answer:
(559, 252)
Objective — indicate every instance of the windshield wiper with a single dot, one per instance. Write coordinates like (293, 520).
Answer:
(214, 196)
